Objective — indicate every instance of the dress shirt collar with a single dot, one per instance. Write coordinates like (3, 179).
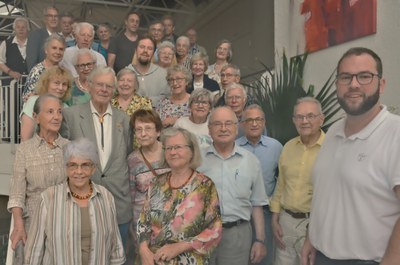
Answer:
(40, 141)
(368, 130)
(15, 40)
(96, 192)
(236, 151)
(242, 141)
(94, 111)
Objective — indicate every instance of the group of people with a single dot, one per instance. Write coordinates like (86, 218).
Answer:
(149, 149)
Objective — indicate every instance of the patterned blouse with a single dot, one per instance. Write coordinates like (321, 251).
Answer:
(33, 78)
(166, 108)
(190, 213)
(138, 102)
(36, 168)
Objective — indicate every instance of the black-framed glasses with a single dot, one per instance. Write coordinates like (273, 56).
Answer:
(173, 80)
(308, 117)
(227, 124)
(257, 120)
(363, 78)
(145, 129)
(85, 65)
(202, 102)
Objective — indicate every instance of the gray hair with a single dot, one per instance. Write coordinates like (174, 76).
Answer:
(47, 8)
(185, 39)
(180, 69)
(200, 93)
(81, 25)
(234, 86)
(210, 120)
(165, 44)
(191, 140)
(37, 107)
(101, 70)
(236, 69)
(251, 107)
(81, 148)
(307, 99)
(199, 56)
(128, 71)
(82, 52)
(52, 37)
(21, 19)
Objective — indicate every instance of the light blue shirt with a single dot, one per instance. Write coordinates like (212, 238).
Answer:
(238, 180)
(267, 150)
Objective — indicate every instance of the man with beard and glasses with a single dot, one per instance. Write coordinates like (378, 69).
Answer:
(151, 77)
(355, 211)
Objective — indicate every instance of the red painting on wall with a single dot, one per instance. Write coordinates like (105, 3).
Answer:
(330, 22)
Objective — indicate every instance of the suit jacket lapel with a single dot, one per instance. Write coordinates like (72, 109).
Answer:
(117, 136)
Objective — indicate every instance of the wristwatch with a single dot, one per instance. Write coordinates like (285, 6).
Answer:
(259, 241)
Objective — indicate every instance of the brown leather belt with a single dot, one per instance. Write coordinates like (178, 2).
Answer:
(297, 215)
(233, 224)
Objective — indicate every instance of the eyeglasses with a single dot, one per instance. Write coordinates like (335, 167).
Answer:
(145, 129)
(227, 124)
(257, 120)
(51, 16)
(85, 166)
(177, 147)
(170, 54)
(85, 65)
(104, 85)
(227, 75)
(230, 98)
(308, 117)
(363, 78)
(173, 80)
(198, 102)
(222, 49)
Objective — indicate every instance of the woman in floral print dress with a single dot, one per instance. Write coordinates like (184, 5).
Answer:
(180, 222)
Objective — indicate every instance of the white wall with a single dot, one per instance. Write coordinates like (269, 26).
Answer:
(320, 64)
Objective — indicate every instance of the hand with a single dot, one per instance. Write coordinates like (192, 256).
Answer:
(169, 121)
(258, 252)
(146, 256)
(307, 253)
(170, 251)
(15, 75)
(278, 234)
(17, 235)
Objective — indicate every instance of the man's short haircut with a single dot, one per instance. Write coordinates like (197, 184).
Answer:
(359, 51)
(307, 99)
(235, 86)
(156, 22)
(199, 56)
(47, 8)
(251, 107)
(146, 37)
(132, 13)
(81, 52)
(67, 14)
(21, 19)
(101, 70)
(236, 69)
(211, 117)
(81, 25)
(168, 17)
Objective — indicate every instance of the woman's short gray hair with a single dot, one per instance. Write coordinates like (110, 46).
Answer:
(82, 52)
(179, 69)
(51, 38)
(21, 19)
(81, 148)
(200, 93)
(191, 141)
(165, 44)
